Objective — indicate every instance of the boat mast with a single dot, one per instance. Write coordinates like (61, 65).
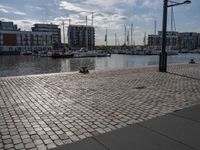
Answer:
(86, 36)
(63, 23)
(128, 38)
(106, 38)
(69, 33)
(115, 39)
(144, 39)
(131, 34)
(155, 31)
(92, 18)
(125, 34)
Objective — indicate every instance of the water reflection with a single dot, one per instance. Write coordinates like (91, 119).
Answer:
(76, 63)
(26, 65)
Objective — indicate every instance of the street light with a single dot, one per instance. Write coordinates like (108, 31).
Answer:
(163, 54)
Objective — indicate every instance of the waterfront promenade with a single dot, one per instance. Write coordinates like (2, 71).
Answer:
(46, 111)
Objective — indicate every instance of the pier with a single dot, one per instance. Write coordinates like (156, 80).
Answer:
(50, 110)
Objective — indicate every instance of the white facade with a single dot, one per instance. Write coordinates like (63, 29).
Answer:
(56, 32)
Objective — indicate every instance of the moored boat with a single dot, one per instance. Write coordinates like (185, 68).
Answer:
(62, 55)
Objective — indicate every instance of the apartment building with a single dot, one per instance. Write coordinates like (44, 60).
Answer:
(172, 41)
(56, 32)
(80, 36)
(13, 40)
(175, 41)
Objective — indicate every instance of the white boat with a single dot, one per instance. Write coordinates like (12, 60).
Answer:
(172, 52)
(45, 54)
(26, 53)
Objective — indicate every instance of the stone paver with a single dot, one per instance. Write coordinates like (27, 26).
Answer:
(50, 110)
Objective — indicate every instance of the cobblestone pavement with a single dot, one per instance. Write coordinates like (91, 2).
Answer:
(45, 111)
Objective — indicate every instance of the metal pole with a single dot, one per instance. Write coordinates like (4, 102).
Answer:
(163, 54)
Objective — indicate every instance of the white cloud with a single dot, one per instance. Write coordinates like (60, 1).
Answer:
(35, 7)
(6, 9)
(19, 13)
(152, 3)
(3, 10)
(24, 24)
(71, 6)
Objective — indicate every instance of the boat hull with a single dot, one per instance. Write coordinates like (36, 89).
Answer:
(55, 56)
(9, 52)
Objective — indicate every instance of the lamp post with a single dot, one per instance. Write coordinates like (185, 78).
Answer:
(163, 54)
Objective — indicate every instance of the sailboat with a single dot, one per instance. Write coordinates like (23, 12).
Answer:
(171, 50)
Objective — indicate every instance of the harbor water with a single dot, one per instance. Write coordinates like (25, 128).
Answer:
(28, 65)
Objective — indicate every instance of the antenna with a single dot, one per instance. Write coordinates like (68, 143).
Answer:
(155, 29)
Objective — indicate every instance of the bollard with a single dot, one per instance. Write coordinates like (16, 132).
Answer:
(192, 61)
(83, 70)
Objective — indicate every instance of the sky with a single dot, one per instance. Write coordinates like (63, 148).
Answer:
(112, 15)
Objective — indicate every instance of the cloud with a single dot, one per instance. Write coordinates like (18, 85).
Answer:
(152, 3)
(110, 14)
(71, 6)
(6, 9)
(19, 13)
(35, 7)
(25, 24)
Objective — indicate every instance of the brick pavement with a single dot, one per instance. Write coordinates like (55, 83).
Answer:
(45, 111)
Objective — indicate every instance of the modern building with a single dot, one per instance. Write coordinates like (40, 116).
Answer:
(14, 41)
(175, 41)
(8, 26)
(80, 36)
(172, 41)
(56, 32)
(188, 40)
